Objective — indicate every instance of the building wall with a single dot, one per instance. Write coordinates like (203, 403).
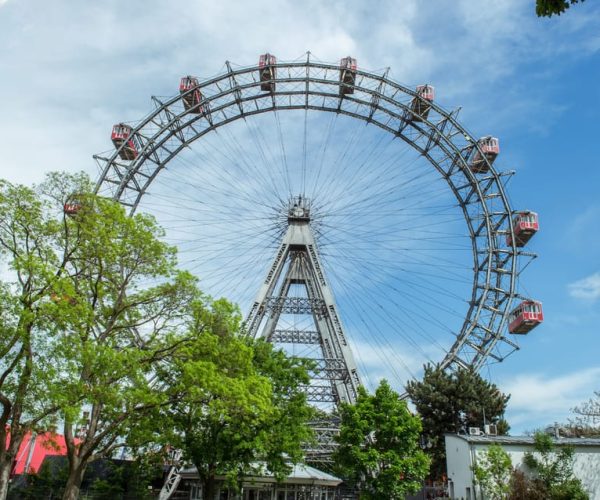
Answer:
(35, 447)
(460, 456)
(458, 460)
(587, 468)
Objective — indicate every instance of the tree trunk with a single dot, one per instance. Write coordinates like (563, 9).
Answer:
(208, 486)
(76, 471)
(7, 459)
(5, 468)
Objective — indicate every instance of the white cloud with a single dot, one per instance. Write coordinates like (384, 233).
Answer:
(587, 288)
(77, 68)
(537, 398)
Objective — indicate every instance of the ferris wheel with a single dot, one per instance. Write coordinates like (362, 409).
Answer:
(375, 229)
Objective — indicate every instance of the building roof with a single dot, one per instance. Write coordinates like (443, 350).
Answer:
(300, 473)
(35, 447)
(303, 471)
(487, 439)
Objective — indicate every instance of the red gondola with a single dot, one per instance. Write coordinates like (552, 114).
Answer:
(72, 206)
(490, 147)
(525, 317)
(192, 97)
(420, 104)
(347, 75)
(266, 72)
(122, 135)
(525, 224)
(58, 299)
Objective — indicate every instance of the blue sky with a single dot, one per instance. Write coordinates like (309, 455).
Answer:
(72, 69)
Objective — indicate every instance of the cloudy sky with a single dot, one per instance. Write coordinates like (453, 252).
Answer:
(69, 70)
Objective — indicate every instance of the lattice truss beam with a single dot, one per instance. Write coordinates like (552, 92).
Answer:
(334, 377)
(296, 264)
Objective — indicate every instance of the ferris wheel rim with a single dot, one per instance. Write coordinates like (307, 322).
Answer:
(169, 122)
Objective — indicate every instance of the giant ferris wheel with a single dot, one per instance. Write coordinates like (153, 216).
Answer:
(354, 219)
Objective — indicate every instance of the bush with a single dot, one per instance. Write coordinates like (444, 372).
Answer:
(571, 489)
(525, 488)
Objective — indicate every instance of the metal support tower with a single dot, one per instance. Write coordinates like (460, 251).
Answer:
(335, 378)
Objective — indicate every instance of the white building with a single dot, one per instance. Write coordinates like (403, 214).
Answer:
(462, 451)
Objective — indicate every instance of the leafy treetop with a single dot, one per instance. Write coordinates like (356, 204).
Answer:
(553, 469)
(451, 402)
(492, 472)
(240, 404)
(548, 8)
(379, 445)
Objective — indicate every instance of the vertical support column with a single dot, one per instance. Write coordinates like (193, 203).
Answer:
(298, 252)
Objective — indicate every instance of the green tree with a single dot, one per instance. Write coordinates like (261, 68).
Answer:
(553, 467)
(547, 8)
(379, 445)
(95, 304)
(129, 480)
(31, 300)
(451, 402)
(125, 328)
(110, 487)
(492, 472)
(140, 475)
(48, 482)
(240, 403)
(287, 430)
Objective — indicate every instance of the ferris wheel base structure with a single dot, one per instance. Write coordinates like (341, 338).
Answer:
(297, 262)
(297, 266)
(498, 234)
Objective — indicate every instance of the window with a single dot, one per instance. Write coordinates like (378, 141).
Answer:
(517, 312)
(195, 492)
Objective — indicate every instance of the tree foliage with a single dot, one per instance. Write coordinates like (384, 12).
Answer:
(451, 402)
(48, 482)
(94, 305)
(379, 445)
(121, 308)
(492, 472)
(32, 250)
(548, 8)
(240, 404)
(288, 428)
(553, 469)
(102, 332)
(522, 487)
(550, 473)
(109, 480)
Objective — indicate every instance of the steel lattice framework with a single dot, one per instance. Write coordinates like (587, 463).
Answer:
(297, 262)
(378, 100)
